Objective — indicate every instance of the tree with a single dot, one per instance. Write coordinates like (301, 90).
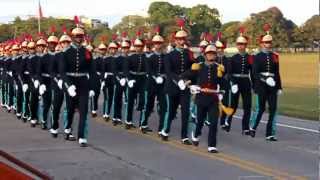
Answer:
(201, 18)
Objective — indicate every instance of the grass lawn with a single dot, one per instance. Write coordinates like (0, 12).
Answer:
(299, 73)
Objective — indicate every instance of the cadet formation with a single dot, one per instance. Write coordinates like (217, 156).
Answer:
(44, 80)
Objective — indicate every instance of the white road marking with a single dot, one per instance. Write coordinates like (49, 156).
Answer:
(288, 126)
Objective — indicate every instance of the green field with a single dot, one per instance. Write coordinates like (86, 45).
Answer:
(299, 74)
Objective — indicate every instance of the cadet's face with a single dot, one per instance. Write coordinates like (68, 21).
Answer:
(180, 42)
(40, 49)
(211, 56)
(65, 44)
(241, 47)
(158, 46)
(14, 53)
(78, 39)
(139, 48)
(52, 46)
(267, 45)
(32, 51)
(125, 50)
(112, 50)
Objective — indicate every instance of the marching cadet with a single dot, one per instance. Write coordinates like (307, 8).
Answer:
(76, 69)
(267, 85)
(108, 78)
(57, 86)
(16, 58)
(240, 71)
(27, 80)
(206, 89)
(177, 62)
(19, 82)
(205, 38)
(154, 84)
(44, 74)
(32, 68)
(225, 84)
(202, 46)
(2, 75)
(9, 78)
(98, 76)
(119, 78)
(135, 71)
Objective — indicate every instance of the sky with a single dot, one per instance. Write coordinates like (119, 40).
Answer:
(113, 10)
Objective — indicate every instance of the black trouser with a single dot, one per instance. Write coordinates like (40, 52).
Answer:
(118, 101)
(173, 102)
(26, 104)
(246, 103)
(135, 93)
(95, 98)
(58, 96)
(46, 101)
(80, 101)
(156, 91)
(270, 96)
(10, 91)
(34, 102)
(108, 95)
(212, 112)
(3, 91)
(19, 98)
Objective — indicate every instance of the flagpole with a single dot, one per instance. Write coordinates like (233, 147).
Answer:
(39, 16)
(39, 25)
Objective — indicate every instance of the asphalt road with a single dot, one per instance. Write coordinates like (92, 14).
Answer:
(115, 153)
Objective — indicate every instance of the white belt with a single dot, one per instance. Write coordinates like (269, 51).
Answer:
(45, 75)
(267, 74)
(77, 74)
(241, 75)
(138, 73)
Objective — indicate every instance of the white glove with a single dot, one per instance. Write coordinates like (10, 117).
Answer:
(234, 89)
(270, 82)
(182, 85)
(42, 89)
(159, 80)
(24, 87)
(102, 85)
(105, 75)
(36, 84)
(194, 89)
(60, 82)
(279, 92)
(130, 83)
(91, 93)
(10, 74)
(220, 97)
(72, 91)
(16, 87)
(122, 81)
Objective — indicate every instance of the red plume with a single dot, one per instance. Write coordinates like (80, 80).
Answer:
(52, 29)
(124, 34)
(209, 37)
(114, 37)
(219, 35)
(266, 27)
(180, 22)
(241, 30)
(76, 20)
(139, 32)
(157, 29)
(64, 29)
